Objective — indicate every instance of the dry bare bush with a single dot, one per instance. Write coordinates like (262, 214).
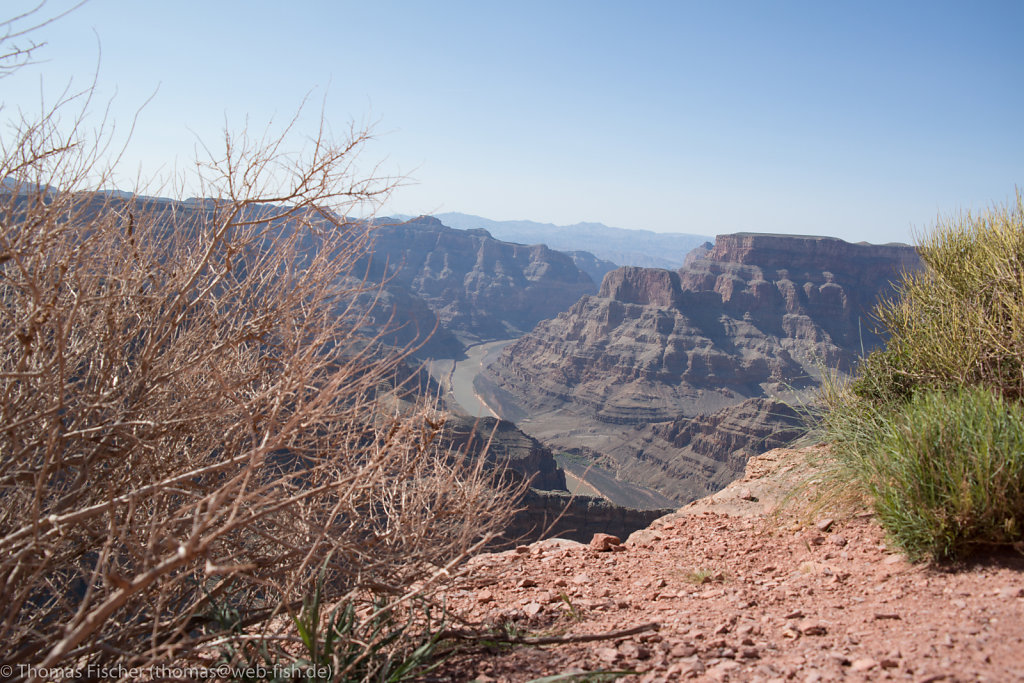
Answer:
(193, 415)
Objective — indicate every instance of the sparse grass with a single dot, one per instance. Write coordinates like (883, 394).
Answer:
(572, 611)
(932, 427)
(945, 471)
(699, 576)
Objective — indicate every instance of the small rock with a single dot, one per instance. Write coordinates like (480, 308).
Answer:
(838, 540)
(722, 629)
(682, 650)
(560, 583)
(484, 596)
(892, 559)
(631, 650)
(725, 666)
(825, 524)
(532, 609)
(888, 663)
(522, 549)
(747, 494)
(604, 542)
(795, 615)
(526, 583)
(607, 654)
(581, 579)
(1009, 592)
(886, 615)
(863, 664)
(688, 668)
(809, 627)
(750, 653)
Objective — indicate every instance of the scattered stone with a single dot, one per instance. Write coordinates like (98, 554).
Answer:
(794, 615)
(632, 650)
(724, 667)
(682, 651)
(532, 609)
(607, 654)
(1010, 592)
(526, 583)
(687, 668)
(484, 597)
(886, 615)
(604, 542)
(825, 524)
(810, 627)
(582, 579)
(838, 540)
(863, 664)
(747, 494)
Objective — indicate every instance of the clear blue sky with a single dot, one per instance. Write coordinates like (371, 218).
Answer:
(862, 120)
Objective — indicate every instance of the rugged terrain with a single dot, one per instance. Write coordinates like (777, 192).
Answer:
(756, 583)
(673, 379)
(479, 288)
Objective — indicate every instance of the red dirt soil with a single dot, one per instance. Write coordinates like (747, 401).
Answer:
(738, 590)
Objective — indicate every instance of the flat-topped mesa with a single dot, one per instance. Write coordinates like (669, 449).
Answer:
(833, 281)
(643, 286)
(785, 251)
(780, 257)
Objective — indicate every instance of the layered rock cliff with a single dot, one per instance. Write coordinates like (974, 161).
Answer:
(479, 288)
(752, 316)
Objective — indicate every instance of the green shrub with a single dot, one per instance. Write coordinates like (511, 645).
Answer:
(960, 320)
(931, 427)
(945, 470)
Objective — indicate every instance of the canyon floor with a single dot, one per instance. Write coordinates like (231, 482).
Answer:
(760, 582)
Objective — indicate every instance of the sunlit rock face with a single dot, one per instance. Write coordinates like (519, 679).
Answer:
(751, 316)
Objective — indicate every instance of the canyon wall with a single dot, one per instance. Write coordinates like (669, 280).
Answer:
(625, 372)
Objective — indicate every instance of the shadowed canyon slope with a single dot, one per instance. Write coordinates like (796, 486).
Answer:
(671, 377)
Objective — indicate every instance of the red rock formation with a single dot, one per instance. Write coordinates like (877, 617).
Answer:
(752, 316)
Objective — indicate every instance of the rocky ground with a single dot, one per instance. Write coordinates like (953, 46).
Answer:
(753, 584)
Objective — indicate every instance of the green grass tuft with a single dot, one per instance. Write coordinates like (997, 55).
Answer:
(945, 470)
(932, 427)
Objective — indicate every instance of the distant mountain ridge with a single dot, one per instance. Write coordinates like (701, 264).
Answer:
(619, 245)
